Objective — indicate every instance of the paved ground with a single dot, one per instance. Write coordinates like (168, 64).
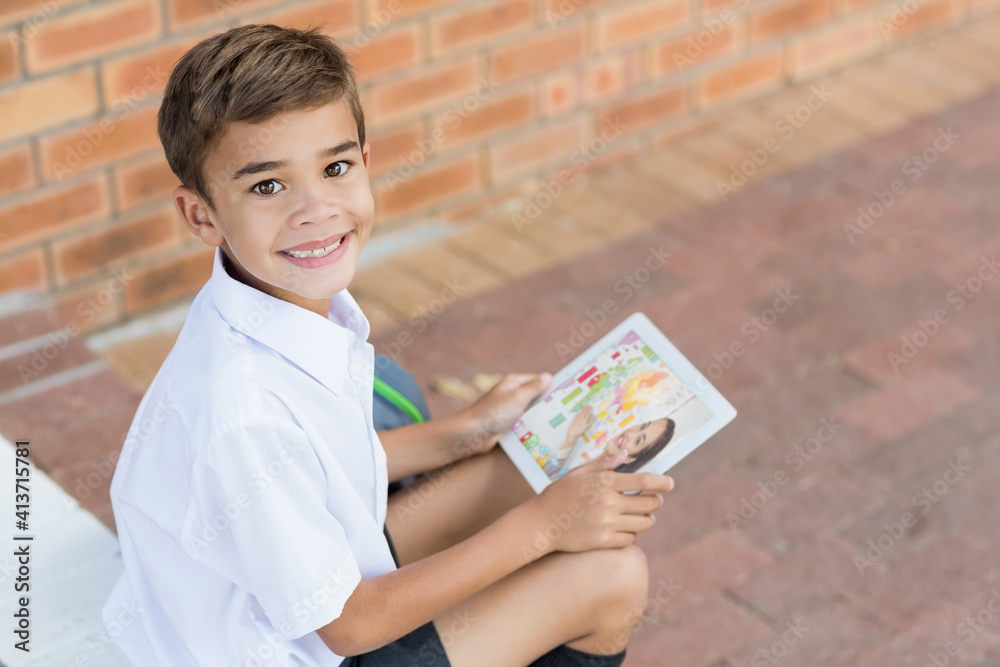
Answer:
(870, 398)
(882, 421)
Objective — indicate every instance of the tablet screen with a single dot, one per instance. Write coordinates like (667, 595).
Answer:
(626, 397)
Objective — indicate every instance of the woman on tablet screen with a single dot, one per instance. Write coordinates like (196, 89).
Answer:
(643, 442)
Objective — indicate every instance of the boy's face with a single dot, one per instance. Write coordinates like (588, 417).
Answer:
(293, 206)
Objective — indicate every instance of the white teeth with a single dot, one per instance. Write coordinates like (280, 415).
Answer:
(319, 252)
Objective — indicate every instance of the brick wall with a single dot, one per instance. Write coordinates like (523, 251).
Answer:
(469, 103)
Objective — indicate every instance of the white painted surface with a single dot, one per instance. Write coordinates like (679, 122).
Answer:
(74, 564)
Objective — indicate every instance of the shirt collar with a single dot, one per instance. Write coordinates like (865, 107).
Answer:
(318, 346)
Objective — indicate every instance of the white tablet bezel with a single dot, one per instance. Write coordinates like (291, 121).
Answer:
(722, 411)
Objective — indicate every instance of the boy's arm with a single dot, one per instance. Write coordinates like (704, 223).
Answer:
(417, 448)
(384, 608)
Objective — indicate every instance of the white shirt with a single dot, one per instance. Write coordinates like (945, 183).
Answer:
(250, 495)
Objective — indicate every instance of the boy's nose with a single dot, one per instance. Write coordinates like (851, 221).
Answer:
(314, 204)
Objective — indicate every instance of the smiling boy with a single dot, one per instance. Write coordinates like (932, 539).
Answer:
(250, 496)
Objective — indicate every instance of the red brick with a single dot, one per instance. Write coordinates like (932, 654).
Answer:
(557, 11)
(637, 22)
(92, 306)
(832, 48)
(606, 79)
(914, 644)
(93, 32)
(170, 280)
(895, 23)
(644, 111)
(751, 76)
(716, 560)
(421, 92)
(334, 17)
(777, 21)
(388, 148)
(53, 210)
(911, 402)
(186, 13)
(388, 52)
(488, 119)
(87, 255)
(398, 8)
(693, 49)
(549, 144)
(477, 25)
(112, 138)
(562, 92)
(136, 76)
(142, 182)
(48, 101)
(700, 633)
(17, 171)
(10, 67)
(427, 187)
(951, 569)
(812, 574)
(25, 271)
(543, 53)
(873, 360)
(30, 13)
(829, 636)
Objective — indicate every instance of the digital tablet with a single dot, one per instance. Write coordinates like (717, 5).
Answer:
(633, 390)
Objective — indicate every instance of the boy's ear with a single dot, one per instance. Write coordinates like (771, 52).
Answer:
(365, 154)
(194, 213)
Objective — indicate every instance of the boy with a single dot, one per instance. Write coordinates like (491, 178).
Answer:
(250, 497)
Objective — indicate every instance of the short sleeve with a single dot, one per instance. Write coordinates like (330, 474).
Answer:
(258, 516)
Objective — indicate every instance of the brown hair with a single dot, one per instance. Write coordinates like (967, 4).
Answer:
(249, 73)
(650, 451)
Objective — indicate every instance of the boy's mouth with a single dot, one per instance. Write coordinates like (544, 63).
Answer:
(316, 252)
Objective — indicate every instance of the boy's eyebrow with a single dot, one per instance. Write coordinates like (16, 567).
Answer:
(257, 167)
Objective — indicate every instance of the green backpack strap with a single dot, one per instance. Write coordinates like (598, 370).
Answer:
(391, 394)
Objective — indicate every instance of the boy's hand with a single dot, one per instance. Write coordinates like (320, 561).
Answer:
(497, 410)
(586, 509)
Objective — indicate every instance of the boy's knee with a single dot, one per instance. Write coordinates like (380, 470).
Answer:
(633, 572)
(624, 573)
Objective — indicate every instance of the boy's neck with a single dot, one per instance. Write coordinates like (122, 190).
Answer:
(319, 306)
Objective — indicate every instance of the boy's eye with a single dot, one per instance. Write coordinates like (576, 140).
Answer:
(338, 168)
(268, 187)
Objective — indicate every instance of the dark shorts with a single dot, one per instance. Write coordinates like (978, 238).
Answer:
(420, 648)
